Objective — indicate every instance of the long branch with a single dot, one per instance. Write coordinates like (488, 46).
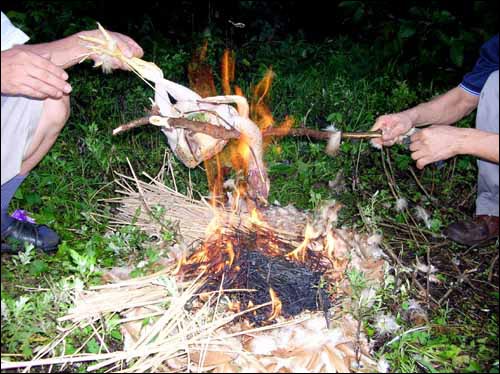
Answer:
(219, 132)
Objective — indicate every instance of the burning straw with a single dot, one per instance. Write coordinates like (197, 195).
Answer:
(201, 320)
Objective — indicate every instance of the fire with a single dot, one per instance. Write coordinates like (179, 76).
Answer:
(230, 253)
(236, 155)
(276, 305)
(330, 245)
(200, 74)
(234, 306)
(260, 111)
(299, 254)
(255, 218)
(228, 67)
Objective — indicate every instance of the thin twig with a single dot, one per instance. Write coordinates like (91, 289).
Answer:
(491, 269)
(412, 172)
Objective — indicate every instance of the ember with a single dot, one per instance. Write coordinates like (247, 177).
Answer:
(291, 286)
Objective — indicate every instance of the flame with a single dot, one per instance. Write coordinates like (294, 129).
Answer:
(299, 254)
(255, 218)
(264, 86)
(180, 264)
(330, 245)
(276, 304)
(230, 253)
(259, 110)
(213, 227)
(238, 91)
(237, 153)
(273, 248)
(240, 154)
(228, 67)
(234, 306)
(200, 74)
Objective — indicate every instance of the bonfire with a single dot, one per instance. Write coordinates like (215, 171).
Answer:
(252, 287)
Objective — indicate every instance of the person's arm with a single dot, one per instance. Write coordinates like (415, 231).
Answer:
(442, 110)
(439, 143)
(69, 51)
(446, 109)
(37, 70)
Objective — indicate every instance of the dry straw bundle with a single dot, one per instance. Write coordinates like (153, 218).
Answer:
(168, 327)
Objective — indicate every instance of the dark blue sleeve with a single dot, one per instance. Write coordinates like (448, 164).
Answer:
(474, 81)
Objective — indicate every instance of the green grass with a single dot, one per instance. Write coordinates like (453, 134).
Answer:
(317, 84)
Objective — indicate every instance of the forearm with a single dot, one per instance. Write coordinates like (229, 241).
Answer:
(478, 143)
(446, 109)
(63, 53)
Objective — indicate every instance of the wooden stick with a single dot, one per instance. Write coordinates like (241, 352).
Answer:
(220, 132)
(217, 132)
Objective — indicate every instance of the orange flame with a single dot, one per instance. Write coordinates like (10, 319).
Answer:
(228, 67)
(255, 218)
(200, 74)
(276, 305)
(260, 111)
(230, 253)
(300, 253)
(330, 245)
(234, 306)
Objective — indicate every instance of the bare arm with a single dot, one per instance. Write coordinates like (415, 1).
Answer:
(69, 51)
(445, 109)
(481, 144)
(438, 143)
(37, 70)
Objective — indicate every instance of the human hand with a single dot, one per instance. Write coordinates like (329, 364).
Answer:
(126, 44)
(393, 126)
(29, 74)
(435, 144)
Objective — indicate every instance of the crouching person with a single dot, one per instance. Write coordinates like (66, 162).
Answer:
(35, 108)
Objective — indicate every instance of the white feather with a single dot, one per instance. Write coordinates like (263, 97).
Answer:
(401, 204)
(386, 324)
(375, 145)
(423, 215)
(383, 366)
(334, 143)
(263, 345)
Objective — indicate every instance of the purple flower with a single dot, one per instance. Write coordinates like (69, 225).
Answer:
(22, 215)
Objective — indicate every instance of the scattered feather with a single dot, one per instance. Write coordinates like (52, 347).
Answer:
(334, 144)
(338, 184)
(373, 244)
(4, 311)
(401, 204)
(332, 128)
(386, 324)
(383, 366)
(263, 345)
(424, 216)
(375, 145)
(425, 268)
(367, 298)
(416, 314)
(375, 239)
(229, 184)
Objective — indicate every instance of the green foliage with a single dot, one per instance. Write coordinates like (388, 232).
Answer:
(422, 37)
(341, 81)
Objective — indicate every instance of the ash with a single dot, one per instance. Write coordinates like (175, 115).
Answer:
(296, 286)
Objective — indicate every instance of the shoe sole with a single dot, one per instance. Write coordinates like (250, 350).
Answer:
(9, 250)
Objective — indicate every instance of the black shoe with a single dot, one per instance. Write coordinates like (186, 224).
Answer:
(19, 233)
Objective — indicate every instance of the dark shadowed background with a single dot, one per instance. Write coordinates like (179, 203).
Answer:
(419, 36)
